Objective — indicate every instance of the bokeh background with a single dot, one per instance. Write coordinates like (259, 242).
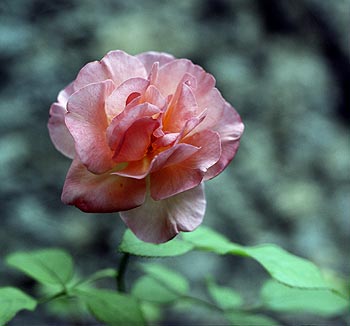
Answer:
(283, 64)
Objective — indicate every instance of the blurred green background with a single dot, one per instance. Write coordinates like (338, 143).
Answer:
(283, 64)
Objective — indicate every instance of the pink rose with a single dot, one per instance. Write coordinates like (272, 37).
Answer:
(144, 132)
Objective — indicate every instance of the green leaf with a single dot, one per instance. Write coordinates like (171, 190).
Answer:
(287, 268)
(151, 311)
(148, 289)
(206, 239)
(224, 297)
(132, 245)
(279, 297)
(111, 307)
(245, 319)
(172, 280)
(281, 265)
(48, 266)
(12, 300)
(160, 285)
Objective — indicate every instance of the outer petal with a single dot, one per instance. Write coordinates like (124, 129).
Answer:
(60, 135)
(148, 58)
(116, 65)
(230, 129)
(87, 122)
(101, 193)
(160, 221)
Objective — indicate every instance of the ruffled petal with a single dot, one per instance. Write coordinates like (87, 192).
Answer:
(101, 193)
(87, 122)
(182, 108)
(118, 100)
(116, 65)
(136, 140)
(209, 152)
(148, 58)
(122, 122)
(230, 128)
(160, 221)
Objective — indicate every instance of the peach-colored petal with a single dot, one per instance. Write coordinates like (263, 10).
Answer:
(174, 179)
(116, 65)
(136, 140)
(60, 135)
(148, 58)
(153, 96)
(230, 128)
(209, 152)
(87, 122)
(182, 108)
(64, 94)
(122, 122)
(117, 101)
(101, 193)
(173, 155)
(172, 73)
(160, 221)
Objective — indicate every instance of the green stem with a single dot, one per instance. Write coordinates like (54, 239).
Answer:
(52, 297)
(121, 273)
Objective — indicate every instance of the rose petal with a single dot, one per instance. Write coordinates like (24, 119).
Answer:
(230, 128)
(87, 122)
(173, 155)
(64, 94)
(117, 101)
(174, 179)
(116, 65)
(148, 58)
(136, 140)
(171, 74)
(59, 134)
(160, 221)
(122, 122)
(101, 193)
(182, 108)
(209, 152)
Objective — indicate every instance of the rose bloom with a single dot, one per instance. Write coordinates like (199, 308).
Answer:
(144, 132)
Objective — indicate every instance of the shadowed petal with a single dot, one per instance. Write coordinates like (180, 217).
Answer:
(174, 179)
(101, 193)
(116, 65)
(136, 140)
(230, 128)
(122, 122)
(87, 122)
(160, 221)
